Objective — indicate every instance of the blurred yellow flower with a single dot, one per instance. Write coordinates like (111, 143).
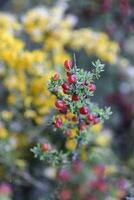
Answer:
(103, 139)
(71, 144)
(97, 128)
(3, 133)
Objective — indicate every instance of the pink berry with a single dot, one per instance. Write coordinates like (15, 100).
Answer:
(84, 110)
(65, 86)
(45, 147)
(90, 117)
(56, 77)
(72, 79)
(92, 87)
(75, 97)
(68, 64)
(60, 104)
(58, 122)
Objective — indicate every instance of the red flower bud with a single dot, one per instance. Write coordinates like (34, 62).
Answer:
(72, 79)
(84, 110)
(75, 97)
(92, 87)
(68, 64)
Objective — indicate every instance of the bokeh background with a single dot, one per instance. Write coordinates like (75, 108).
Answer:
(36, 36)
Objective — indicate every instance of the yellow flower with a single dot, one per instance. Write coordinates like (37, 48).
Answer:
(73, 133)
(20, 163)
(3, 132)
(83, 154)
(38, 120)
(11, 99)
(71, 144)
(6, 115)
(30, 114)
(103, 139)
(110, 169)
(97, 128)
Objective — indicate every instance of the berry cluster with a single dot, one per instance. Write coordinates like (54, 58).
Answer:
(76, 113)
(73, 96)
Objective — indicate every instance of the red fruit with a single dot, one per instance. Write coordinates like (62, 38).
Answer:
(75, 97)
(99, 185)
(58, 122)
(64, 175)
(65, 194)
(99, 170)
(68, 64)
(65, 86)
(45, 147)
(92, 87)
(90, 117)
(102, 186)
(56, 77)
(72, 79)
(60, 104)
(83, 127)
(84, 110)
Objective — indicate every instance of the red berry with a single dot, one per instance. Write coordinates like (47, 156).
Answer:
(64, 175)
(58, 122)
(65, 86)
(99, 170)
(83, 127)
(65, 194)
(60, 104)
(68, 64)
(75, 97)
(45, 147)
(72, 79)
(92, 87)
(84, 110)
(56, 77)
(90, 117)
